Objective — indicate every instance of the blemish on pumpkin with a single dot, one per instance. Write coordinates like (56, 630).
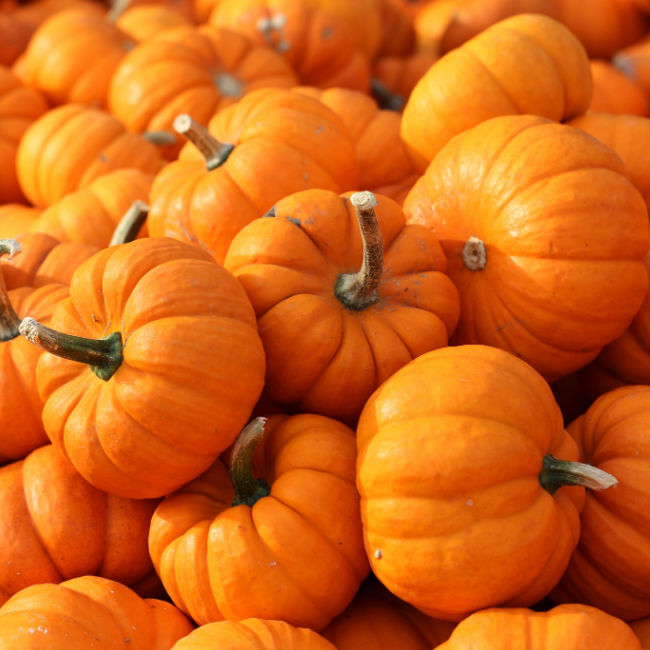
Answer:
(327, 32)
(103, 157)
(378, 554)
(469, 502)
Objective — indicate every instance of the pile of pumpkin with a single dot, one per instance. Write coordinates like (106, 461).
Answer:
(296, 300)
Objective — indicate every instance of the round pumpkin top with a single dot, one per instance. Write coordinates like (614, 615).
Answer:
(452, 455)
(178, 339)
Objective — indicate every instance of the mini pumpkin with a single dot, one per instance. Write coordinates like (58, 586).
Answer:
(615, 92)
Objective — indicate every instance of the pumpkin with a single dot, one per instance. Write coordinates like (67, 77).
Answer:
(321, 47)
(281, 539)
(615, 92)
(609, 567)
(536, 218)
(470, 493)
(378, 619)
(72, 145)
(566, 627)
(642, 630)
(72, 55)
(252, 634)
(195, 70)
(164, 366)
(88, 612)
(19, 107)
(344, 296)
(143, 21)
(212, 192)
(14, 36)
(398, 32)
(55, 526)
(16, 219)
(524, 64)
(634, 62)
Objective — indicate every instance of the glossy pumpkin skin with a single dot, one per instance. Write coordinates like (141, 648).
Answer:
(526, 64)
(19, 107)
(88, 612)
(72, 145)
(312, 513)
(322, 355)
(615, 92)
(321, 47)
(566, 627)
(609, 568)
(192, 368)
(90, 215)
(73, 54)
(56, 526)
(252, 634)
(205, 70)
(450, 451)
(540, 196)
(210, 208)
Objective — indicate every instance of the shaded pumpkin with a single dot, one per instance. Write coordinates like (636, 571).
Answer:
(230, 177)
(642, 630)
(615, 92)
(56, 526)
(470, 493)
(14, 36)
(498, 67)
(293, 517)
(344, 296)
(523, 209)
(566, 627)
(89, 612)
(634, 62)
(166, 370)
(398, 32)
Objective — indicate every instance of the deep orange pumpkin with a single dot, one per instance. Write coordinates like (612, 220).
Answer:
(615, 92)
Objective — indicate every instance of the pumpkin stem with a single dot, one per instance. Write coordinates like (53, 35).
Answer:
(118, 7)
(556, 473)
(104, 356)
(160, 138)
(248, 489)
(9, 321)
(474, 254)
(385, 98)
(130, 224)
(215, 153)
(359, 290)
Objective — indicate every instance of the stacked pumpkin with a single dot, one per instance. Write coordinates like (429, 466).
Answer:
(290, 292)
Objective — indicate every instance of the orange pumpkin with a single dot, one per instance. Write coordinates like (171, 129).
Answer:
(536, 218)
(16, 219)
(55, 526)
(143, 21)
(634, 62)
(466, 475)
(567, 627)
(14, 36)
(252, 633)
(344, 296)
(72, 145)
(642, 630)
(88, 612)
(176, 365)
(615, 92)
(524, 64)
(282, 541)
(609, 568)
(212, 192)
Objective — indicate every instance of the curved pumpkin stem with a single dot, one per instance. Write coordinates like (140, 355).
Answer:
(359, 290)
(215, 153)
(556, 473)
(248, 489)
(130, 224)
(104, 356)
(9, 321)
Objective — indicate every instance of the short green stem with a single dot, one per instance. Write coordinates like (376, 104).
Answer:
(215, 153)
(160, 138)
(104, 356)
(130, 224)
(248, 489)
(557, 473)
(9, 321)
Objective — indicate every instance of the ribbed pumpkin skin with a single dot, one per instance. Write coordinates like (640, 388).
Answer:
(20, 403)
(88, 612)
(70, 146)
(302, 543)
(322, 48)
(73, 54)
(19, 107)
(609, 568)
(55, 526)
(252, 634)
(559, 220)
(526, 64)
(210, 208)
(192, 369)
(567, 627)
(322, 355)
(450, 452)
(615, 92)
